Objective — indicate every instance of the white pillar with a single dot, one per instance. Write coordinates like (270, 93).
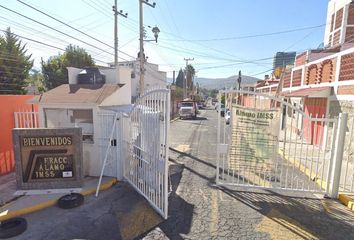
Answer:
(336, 161)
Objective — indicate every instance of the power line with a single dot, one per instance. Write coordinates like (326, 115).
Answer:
(249, 36)
(32, 30)
(78, 30)
(68, 35)
(36, 41)
(42, 43)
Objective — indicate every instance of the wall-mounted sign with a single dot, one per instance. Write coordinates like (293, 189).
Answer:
(48, 158)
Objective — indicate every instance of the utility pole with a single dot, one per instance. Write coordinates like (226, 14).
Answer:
(239, 80)
(185, 92)
(115, 12)
(239, 87)
(141, 39)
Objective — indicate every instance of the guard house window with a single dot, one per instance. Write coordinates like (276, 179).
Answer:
(83, 118)
(68, 118)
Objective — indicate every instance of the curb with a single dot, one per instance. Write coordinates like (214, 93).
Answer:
(347, 201)
(50, 203)
(174, 119)
(344, 199)
(321, 183)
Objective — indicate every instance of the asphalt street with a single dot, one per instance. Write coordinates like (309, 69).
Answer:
(198, 209)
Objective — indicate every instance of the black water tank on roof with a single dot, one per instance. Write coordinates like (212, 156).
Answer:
(91, 76)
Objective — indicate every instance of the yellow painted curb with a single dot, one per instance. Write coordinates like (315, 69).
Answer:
(104, 186)
(347, 201)
(321, 183)
(28, 210)
(50, 203)
(344, 199)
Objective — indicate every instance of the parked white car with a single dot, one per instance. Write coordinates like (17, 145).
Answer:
(227, 117)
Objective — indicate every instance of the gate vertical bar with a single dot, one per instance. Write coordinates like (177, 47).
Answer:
(218, 141)
(167, 122)
(336, 163)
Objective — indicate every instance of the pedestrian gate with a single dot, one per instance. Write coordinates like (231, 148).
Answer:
(271, 143)
(143, 140)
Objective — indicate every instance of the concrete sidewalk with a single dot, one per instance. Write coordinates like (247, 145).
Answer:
(13, 206)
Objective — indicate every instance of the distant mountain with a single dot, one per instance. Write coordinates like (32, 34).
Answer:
(220, 83)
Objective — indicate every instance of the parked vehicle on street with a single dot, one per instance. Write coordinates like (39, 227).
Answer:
(188, 109)
(222, 110)
(227, 117)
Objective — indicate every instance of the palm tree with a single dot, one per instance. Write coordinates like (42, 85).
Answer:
(190, 76)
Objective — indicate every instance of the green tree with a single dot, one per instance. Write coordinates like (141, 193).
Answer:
(14, 64)
(223, 99)
(36, 78)
(180, 79)
(54, 69)
(190, 76)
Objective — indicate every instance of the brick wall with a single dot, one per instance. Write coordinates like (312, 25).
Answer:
(339, 17)
(311, 74)
(350, 19)
(300, 59)
(336, 38)
(326, 71)
(349, 34)
(286, 81)
(297, 78)
(347, 67)
(346, 90)
(330, 40)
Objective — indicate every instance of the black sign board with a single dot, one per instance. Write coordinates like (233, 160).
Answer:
(48, 158)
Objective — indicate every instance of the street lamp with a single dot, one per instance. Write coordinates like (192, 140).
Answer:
(156, 32)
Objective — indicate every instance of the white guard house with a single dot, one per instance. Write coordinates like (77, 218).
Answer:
(89, 101)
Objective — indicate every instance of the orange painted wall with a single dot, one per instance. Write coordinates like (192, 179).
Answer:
(8, 105)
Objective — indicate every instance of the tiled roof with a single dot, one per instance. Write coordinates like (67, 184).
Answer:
(78, 93)
(325, 91)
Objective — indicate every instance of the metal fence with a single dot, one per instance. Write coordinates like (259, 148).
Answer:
(271, 143)
(26, 119)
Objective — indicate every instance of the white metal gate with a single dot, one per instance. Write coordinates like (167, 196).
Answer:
(271, 143)
(145, 147)
(107, 141)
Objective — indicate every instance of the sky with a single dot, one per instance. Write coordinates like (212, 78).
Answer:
(222, 36)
